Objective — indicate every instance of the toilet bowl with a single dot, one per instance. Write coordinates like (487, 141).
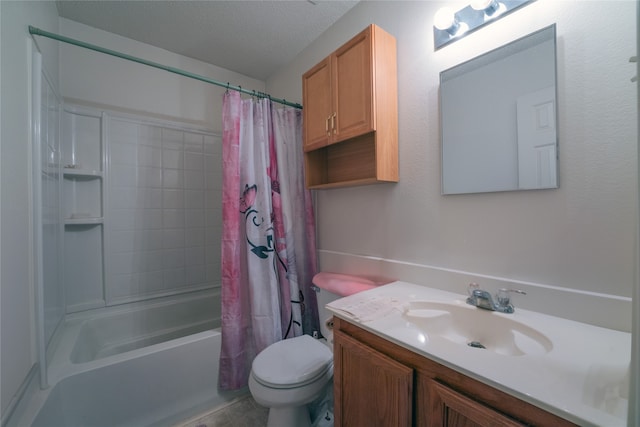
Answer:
(288, 375)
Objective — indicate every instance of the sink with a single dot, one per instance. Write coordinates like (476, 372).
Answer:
(572, 369)
(479, 329)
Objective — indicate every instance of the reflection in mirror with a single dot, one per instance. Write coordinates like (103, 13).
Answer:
(498, 119)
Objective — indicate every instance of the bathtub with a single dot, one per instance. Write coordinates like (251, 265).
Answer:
(147, 365)
(134, 329)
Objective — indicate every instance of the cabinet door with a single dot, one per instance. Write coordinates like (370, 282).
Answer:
(370, 389)
(353, 87)
(317, 112)
(452, 409)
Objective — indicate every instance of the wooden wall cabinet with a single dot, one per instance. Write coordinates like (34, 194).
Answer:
(378, 383)
(351, 113)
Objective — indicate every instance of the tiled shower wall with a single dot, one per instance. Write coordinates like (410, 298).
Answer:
(163, 217)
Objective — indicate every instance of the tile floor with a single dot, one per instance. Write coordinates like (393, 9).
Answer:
(244, 412)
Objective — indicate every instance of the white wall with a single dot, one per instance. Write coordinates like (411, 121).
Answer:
(576, 242)
(17, 336)
(95, 78)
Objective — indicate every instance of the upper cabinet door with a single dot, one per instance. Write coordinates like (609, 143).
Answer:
(318, 109)
(338, 94)
(353, 88)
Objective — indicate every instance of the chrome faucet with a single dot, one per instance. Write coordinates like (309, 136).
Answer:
(483, 299)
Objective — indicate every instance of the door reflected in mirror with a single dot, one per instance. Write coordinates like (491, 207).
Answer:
(499, 120)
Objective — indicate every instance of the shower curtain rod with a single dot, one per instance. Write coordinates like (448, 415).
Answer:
(38, 32)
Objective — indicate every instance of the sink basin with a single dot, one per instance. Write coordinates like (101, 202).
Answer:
(483, 330)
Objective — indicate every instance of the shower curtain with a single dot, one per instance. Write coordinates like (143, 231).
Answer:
(268, 236)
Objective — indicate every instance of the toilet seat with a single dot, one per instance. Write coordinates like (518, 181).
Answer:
(292, 363)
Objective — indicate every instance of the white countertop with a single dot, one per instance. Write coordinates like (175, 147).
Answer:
(584, 378)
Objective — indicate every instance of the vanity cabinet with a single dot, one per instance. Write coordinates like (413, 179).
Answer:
(379, 383)
(449, 408)
(366, 371)
(351, 113)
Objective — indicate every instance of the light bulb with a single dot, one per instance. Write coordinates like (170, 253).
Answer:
(444, 19)
(481, 4)
(489, 7)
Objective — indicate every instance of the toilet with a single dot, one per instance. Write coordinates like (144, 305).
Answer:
(288, 375)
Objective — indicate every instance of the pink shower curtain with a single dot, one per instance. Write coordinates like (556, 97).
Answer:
(268, 234)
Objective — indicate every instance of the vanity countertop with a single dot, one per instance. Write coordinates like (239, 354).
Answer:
(583, 375)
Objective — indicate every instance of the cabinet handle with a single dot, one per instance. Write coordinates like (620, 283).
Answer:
(333, 123)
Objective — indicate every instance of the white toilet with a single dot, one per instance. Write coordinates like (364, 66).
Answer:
(290, 374)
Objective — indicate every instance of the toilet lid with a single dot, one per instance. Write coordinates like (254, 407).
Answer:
(292, 362)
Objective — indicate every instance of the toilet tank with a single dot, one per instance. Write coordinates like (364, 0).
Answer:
(324, 297)
(332, 286)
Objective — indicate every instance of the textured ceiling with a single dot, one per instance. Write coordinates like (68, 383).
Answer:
(254, 38)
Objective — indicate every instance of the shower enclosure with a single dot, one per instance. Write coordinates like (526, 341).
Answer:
(127, 220)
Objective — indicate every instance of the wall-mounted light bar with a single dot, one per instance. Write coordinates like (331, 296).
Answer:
(449, 26)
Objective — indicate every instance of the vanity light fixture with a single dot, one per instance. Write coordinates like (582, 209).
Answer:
(449, 26)
(491, 8)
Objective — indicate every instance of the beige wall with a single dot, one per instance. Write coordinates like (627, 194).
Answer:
(574, 243)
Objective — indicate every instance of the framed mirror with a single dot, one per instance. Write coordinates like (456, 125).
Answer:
(498, 119)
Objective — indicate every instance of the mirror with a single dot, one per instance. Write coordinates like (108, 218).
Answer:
(498, 119)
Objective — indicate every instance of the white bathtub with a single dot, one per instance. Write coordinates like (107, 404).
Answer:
(141, 366)
(134, 329)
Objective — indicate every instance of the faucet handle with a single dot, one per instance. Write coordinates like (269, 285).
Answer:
(503, 295)
(472, 287)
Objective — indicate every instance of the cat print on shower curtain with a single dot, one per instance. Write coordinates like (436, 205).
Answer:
(268, 247)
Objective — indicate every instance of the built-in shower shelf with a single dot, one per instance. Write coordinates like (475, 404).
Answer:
(83, 221)
(82, 156)
(82, 173)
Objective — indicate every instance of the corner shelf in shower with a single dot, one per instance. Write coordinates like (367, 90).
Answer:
(83, 221)
(82, 155)
(84, 196)
(82, 173)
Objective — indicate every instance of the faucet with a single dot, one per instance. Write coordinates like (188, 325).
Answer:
(483, 299)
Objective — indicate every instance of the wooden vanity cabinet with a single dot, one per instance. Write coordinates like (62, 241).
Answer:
(351, 113)
(368, 371)
(449, 408)
(378, 383)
